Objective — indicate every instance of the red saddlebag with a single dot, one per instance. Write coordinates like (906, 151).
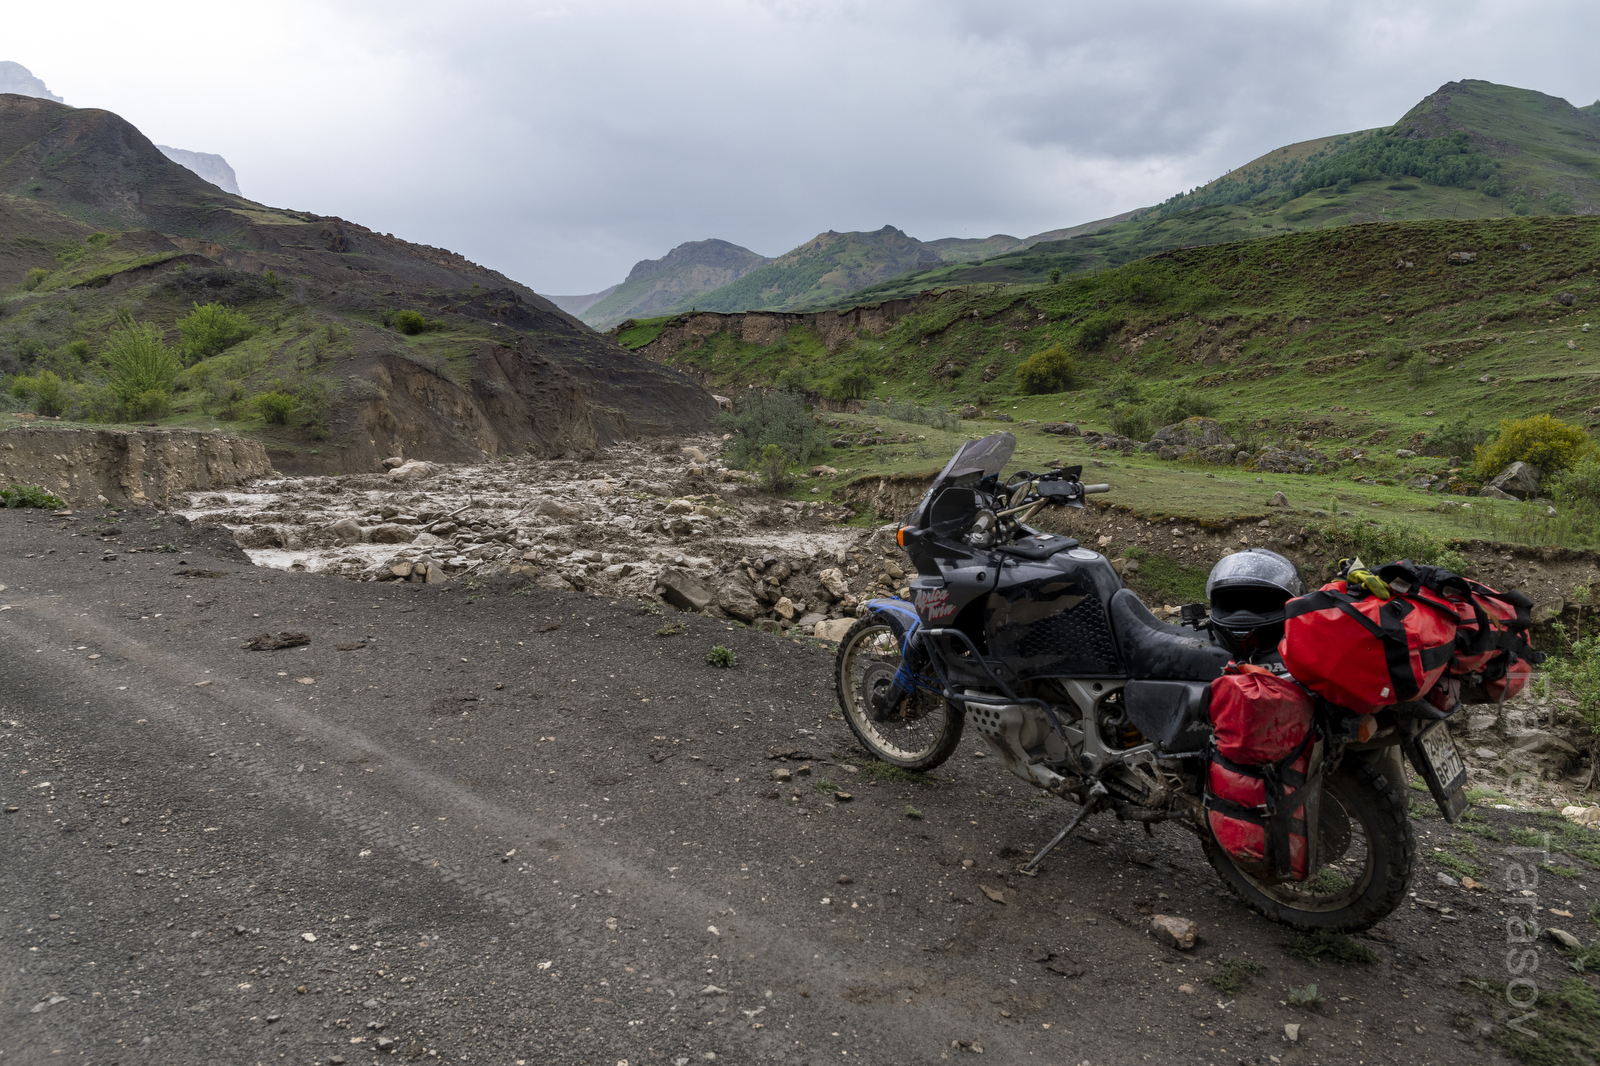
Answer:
(1363, 653)
(1493, 655)
(1261, 789)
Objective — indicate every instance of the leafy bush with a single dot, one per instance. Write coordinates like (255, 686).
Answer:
(1578, 671)
(276, 407)
(1560, 203)
(151, 403)
(1048, 371)
(1543, 441)
(45, 389)
(722, 657)
(211, 328)
(760, 419)
(1457, 438)
(1131, 421)
(35, 278)
(1343, 186)
(774, 468)
(1577, 487)
(1097, 329)
(851, 384)
(1124, 388)
(138, 362)
(411, 322)
(1179, 405)
(1055, 275)
(1385, 542)
(29, 496)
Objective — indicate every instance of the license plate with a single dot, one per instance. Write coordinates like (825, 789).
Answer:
(1439, 748)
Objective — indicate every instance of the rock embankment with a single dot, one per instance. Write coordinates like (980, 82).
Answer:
(127, 466)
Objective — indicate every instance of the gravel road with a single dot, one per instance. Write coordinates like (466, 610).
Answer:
(515, 825)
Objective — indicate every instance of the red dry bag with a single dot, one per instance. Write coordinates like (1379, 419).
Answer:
(1363, 653)
(1261, 791)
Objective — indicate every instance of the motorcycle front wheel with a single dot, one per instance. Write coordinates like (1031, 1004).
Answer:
(1369, 855)
(919, 733)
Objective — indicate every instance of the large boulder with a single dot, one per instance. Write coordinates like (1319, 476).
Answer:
(391, 533)
(834, 584)
(414, 469)
(1063, 429)
(683, 590)
(1192, 433)
(739, 603)
(1519, 479)
(553, 508)
(348, 530)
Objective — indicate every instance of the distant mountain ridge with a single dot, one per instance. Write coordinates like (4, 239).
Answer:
(16, 78)
(209, 166)
(656, 286)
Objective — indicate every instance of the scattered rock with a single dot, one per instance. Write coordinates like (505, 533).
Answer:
(1537, 742)
(1278, 500)
(391, 533)
(995, 894)
(783, 774)
(1446, 880)
(1520, 480)
(1548, 610)
(1564, 938)
(1062, 429)
(1486, 753)
(1192, 433)
(1291, 1032)
(1404, 453)
(1176, 932)
(833, 630)
(1460, 258)
(268, 642)
(416, 469)
(683, 590)
(393, 461)
(348, 530)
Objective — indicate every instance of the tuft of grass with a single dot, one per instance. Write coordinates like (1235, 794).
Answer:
(672, 629)
(888, 771)
(913, 813)
(1484, 795)
(824, 785)
(1456, 865)
(1328, 881)
(1306, 997)
(1566, 1025)
(722, 657)
(1335, 947)
(647, 607)
(1235, 976)
(29, 496)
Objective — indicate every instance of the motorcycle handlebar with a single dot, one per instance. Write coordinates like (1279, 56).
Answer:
(1089, 489)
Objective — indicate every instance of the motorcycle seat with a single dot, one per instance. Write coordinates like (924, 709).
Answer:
(1038, 546)
(1155, 651)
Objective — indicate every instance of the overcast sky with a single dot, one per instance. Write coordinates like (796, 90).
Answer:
(560, 142)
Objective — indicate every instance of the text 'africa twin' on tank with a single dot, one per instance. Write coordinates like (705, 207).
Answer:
(1086, 695)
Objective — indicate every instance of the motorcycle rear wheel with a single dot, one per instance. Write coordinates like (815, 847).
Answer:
(919, 734)
(1366, 812)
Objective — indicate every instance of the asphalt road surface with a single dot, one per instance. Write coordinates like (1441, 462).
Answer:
(508, 825)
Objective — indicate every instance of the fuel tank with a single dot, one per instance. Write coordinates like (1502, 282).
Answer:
(1048, 617)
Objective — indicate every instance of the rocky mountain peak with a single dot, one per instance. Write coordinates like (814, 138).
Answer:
(16, 78)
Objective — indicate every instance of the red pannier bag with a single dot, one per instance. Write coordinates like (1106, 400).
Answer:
(1261, 792)
(1493, 656)
(1365, 653)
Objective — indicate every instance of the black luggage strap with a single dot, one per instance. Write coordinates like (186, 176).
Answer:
(1491, 633)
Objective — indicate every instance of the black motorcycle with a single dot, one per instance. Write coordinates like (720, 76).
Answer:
(1086, 695)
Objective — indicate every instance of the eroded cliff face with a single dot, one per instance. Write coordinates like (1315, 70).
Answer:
(833, 328)
(518, 402)
(127, 466)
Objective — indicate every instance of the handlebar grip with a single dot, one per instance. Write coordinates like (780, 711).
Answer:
(1089, 489)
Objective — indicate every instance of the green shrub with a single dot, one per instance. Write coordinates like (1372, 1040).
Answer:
(1048, 371)
(1179, 405)
(1131, 421)
(1124, 388)
(212, 328)
(1577, 487)
(1055, 275)
(45, 389)
(1578, 671)
(1518, 205)
(851, 384)
(99, 240)
(1097, 329)
(138, 362)
(1343, 186)
(1459, 438)
(760, 419)
(722, 657)
(411, 322)
(775, 469)
(276, 407)
(151, 403)
(1560, 203)
(29, 496)
(1385, 542)
(1492, 186)
(35, 278)
(1543, 441)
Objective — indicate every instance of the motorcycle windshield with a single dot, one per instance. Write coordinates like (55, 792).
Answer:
(974, 461)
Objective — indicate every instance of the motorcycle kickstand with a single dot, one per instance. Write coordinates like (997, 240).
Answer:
(1097, 791)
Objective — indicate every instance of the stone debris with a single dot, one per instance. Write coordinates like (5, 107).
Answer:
(643, 520)
(268, 642)
(1175, 932)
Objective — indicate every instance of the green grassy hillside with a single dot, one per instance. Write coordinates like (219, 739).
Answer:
(1358, 340)
(817, 272)
(1471, 150)
(655, 285)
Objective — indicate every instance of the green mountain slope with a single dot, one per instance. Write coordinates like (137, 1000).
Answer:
(1471, 150)
(654, 285)
(821, 270)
